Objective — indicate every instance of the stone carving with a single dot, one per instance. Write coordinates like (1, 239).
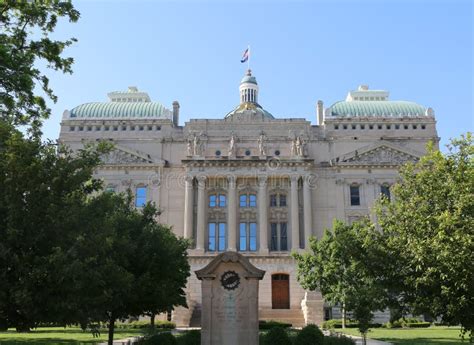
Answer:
(195, 145)
(232, 145)
(297, 147)
(119, 156)
(261, 144)
(229, 313)
(381, 155)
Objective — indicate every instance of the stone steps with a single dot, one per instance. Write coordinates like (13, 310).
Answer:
(293, 316)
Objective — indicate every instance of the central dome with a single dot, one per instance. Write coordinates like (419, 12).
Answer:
(249, 106)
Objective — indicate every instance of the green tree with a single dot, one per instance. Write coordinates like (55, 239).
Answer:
(428, 233)
(43, 189)
(340, 265)
(25, 42)
(124, 263)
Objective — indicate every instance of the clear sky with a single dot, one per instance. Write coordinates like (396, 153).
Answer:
(302, 51)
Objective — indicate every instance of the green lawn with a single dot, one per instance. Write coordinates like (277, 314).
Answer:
(414, 336)
(61, 336)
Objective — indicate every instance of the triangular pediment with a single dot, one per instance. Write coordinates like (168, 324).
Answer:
(121, 155)
(382, 154)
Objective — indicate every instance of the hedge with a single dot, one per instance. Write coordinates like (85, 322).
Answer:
(262, 324)
(146, 324)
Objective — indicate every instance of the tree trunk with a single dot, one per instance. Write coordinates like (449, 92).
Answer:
(343, 315)
(111, 329)
(152, 320)
(364, 338)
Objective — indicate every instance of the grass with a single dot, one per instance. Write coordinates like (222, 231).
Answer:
(61, 336)
(414, 336)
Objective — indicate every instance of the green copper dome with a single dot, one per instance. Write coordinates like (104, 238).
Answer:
(249, 79)
(121, 110)
(377, 108)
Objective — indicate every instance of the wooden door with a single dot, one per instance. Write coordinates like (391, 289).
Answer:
(280, 291)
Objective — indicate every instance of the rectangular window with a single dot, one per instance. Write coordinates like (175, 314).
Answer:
(283, 237)
(140, 196)
(243, 200)
(252, 200)
(274, 233)
(222, 237)
(253, 237)
(110, 189)
(282, 200)
(385, 190)
(212, 200)
(355, 195)
(212, 237)
(243, 237)
(221, 200)
(273, 200)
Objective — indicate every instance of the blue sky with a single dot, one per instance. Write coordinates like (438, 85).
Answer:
(302, 51)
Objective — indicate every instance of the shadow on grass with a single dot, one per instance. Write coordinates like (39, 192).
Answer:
(424, 341)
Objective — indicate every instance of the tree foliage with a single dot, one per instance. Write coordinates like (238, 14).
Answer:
(429, 235)
(26, 27)
(72, 254)
(340, 265)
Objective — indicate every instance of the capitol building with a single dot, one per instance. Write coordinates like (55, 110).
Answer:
(251, 182)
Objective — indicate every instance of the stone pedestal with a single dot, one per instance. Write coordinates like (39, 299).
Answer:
(229, 300)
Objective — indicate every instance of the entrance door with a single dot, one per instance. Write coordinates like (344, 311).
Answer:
(280, 291)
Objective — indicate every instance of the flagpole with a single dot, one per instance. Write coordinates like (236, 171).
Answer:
(248, 60)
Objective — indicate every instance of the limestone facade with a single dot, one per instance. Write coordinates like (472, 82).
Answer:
(251, 182)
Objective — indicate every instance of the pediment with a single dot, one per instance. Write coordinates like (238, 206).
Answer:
(377, 155)
(121, 155)
(230, 256)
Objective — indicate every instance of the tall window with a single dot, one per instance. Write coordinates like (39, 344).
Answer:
(355, 195)
(248, 237)
(248, 200)
(279, 234)
(278, 200)
(140, 196)
(217, 237)
(385, 190)
(217, 200)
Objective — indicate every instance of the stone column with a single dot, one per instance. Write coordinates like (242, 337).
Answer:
(262, 203)
(295, 225)
(201, 213)
(188, 207)
(308, 219)
(232, 214)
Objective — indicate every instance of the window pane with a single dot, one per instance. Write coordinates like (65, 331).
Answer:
(283, 237)
(253, 200)
(212, 236)
(212, 200)
(221, 237)
(222, 200)
(110, 189)
(243, 200)
(253, 237)
(140, 199)
(243, 237)
(282, 200)
(274, 242)
(273, 200)
(355, 196)
(385, 190)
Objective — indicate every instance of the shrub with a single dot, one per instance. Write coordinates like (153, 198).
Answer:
(336, 323)
(341, 340)
(276, 336)
(191, 338)
(420, 324)
(310, 335)
(146, 324)
(262, 324)
(161, 339)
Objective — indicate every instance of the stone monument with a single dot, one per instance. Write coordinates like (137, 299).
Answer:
(229, 300)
